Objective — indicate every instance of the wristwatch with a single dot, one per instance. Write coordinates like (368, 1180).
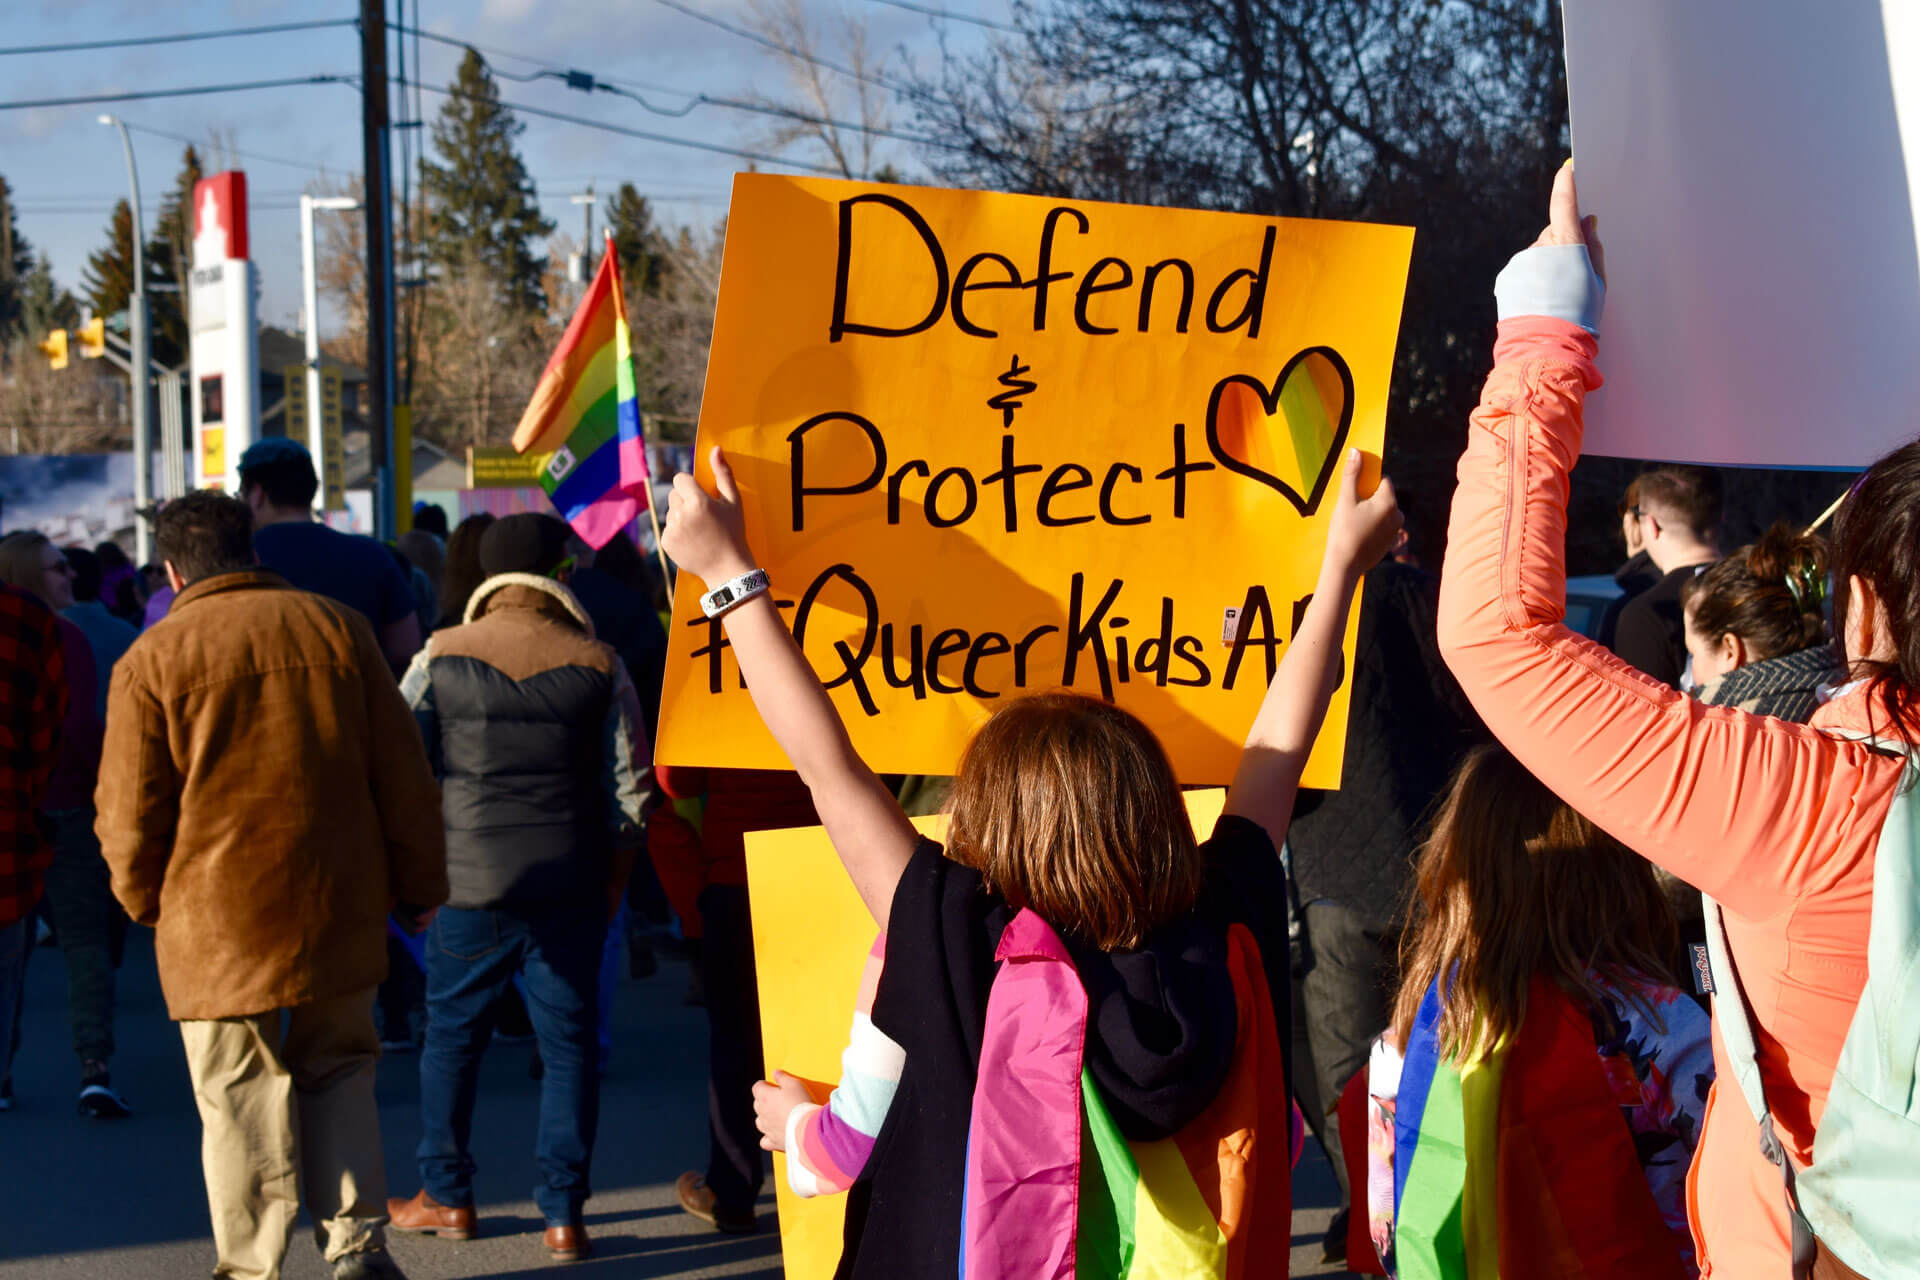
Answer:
(734, 592)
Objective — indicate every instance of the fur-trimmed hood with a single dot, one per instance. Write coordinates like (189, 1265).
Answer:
(484, 597)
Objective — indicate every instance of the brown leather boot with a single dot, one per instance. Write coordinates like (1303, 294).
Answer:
(698, 1199)
(568, 1244)
(428, 1216)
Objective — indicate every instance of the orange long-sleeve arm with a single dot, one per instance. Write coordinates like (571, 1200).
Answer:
(1757, 812)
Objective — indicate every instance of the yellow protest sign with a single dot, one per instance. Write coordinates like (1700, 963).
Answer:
(811, 935)
(990, 444)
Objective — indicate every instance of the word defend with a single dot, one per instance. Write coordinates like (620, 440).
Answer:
(993, 444)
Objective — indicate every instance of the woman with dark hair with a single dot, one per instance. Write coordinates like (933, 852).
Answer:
(621, 560)
(1780, 823)
(463, 574)
(122, 587)
(1757, 627)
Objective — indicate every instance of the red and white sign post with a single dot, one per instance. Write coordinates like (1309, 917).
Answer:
(226, 335)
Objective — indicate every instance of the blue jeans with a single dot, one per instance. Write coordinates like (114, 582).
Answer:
(16, 946)
(471, 957)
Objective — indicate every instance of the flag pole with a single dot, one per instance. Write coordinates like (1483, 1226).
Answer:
(666, 574)
(653, 514)
(1829, 512)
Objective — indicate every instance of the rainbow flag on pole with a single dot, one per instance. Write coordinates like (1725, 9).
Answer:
(585, 416)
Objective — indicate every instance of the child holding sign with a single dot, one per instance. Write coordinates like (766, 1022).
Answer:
(1074, 953)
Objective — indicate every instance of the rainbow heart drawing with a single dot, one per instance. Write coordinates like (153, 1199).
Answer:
(1312, 399)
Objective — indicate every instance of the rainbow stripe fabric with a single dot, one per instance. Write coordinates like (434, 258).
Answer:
(1520, 1164)
(585, 415)
(1055, 1191)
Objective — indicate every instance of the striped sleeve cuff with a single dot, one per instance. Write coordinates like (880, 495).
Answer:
(799, 1176)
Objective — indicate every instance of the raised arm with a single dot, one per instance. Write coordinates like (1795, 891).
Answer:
(1747, 808)
(706, 536)
(1282, 736)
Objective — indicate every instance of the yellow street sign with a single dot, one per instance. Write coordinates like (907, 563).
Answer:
(499, 467)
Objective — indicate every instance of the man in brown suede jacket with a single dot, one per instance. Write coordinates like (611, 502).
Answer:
(264, 801)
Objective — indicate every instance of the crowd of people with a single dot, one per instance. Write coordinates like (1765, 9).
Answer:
(1566, 978)
(371, 800)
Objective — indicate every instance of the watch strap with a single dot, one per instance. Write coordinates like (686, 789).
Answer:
(734, 592)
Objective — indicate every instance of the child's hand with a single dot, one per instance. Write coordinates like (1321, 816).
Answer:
(705, 533)
(1363, 529)
(772, 1104)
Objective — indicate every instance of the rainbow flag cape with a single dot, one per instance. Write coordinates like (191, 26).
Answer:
(1520, 1164)
(1055, 1191)
(586, 416)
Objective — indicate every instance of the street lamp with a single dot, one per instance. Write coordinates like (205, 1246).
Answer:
(137, 357)
(316, 435)
(582, 274)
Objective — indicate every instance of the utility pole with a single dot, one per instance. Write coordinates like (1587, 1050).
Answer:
(381, 379)
(6, 235)
(137, 361)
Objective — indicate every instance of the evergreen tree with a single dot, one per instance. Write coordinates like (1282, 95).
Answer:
(481, 203)
(636, 241)
(44, 305)
(108, 281)
(16, 263)
(170, 263)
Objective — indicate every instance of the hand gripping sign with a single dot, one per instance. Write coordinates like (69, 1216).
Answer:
(991, 444)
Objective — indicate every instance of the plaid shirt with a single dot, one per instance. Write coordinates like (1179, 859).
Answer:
(33, 701)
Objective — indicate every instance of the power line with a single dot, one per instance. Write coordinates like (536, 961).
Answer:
(779, 112)
(490, 50)
(177, 38)
(768, 42)
(139, 95)
(933, 12)
(635, 133)
(587, 82)
(234, 151)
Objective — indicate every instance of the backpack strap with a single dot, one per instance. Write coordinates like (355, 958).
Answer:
(1734, 1019)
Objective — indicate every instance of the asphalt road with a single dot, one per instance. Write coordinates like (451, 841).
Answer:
(123, 1200)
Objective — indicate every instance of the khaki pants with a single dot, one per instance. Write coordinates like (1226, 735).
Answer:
(286, 1104)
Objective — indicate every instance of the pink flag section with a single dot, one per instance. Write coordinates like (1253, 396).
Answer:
(1023, 1150)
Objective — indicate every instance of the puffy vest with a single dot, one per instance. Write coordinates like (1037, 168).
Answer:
(521, 697)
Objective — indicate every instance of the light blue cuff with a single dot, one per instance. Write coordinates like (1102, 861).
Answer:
(1555, 280)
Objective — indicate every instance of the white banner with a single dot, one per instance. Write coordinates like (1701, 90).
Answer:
(1755, 166)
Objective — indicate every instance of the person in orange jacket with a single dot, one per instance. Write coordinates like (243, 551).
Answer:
(1778, 822)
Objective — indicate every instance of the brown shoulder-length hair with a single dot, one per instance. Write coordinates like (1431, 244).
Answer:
(1514, 883)
(1066, 804)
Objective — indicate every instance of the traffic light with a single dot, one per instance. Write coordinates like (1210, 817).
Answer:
(93, 339)
(54, 348)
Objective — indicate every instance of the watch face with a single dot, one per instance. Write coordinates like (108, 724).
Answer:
(722, 597)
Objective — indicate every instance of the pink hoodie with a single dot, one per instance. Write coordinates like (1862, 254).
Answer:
(1777, 821)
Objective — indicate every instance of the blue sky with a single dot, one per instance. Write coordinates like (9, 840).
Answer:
(66, 170)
